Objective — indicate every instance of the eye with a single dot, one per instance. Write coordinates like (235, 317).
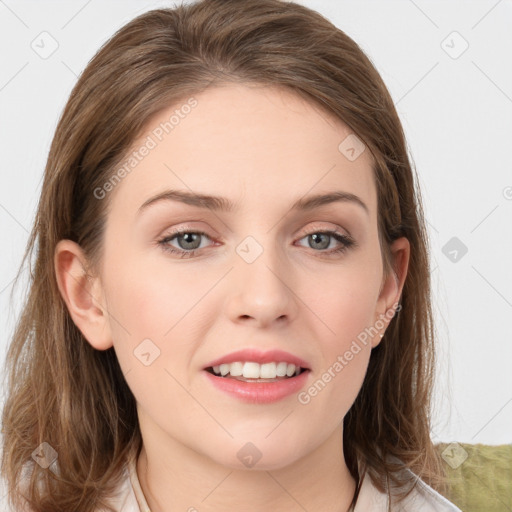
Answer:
(322, 240)
(188, 241)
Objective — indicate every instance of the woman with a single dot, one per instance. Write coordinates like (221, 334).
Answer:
(230, 304)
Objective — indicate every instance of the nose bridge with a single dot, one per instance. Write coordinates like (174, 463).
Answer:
(261, 280)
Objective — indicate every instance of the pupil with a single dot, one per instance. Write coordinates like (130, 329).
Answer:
(190, 238)
(315, 240)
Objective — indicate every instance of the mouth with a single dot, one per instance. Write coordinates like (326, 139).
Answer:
(253, 376)
(250, 371)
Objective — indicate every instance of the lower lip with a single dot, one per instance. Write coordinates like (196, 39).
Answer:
(259, 392)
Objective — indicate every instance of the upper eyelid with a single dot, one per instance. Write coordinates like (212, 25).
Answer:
(315, 228)
(176, 233)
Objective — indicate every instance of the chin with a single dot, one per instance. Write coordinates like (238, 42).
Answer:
(255, 455)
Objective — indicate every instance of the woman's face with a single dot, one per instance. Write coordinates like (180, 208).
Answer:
(256, 280)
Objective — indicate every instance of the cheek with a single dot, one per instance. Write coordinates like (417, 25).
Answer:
(346, 306)
(149, 302)
(155, 331)
(334, 387)
(144, 310)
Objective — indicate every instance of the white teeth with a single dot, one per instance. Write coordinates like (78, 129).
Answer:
(268, 371)
(281, 369)
(290, 370)
(236, 369)
(251, 370)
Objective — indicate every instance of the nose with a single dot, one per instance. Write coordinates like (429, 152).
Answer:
(261, 287)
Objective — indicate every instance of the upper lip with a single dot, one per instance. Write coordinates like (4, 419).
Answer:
(257, 356)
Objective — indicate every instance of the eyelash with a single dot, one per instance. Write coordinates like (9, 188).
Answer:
(346, 242)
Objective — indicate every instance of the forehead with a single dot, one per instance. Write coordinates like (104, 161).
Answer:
(264, 143)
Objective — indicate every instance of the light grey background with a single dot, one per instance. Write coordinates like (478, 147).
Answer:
(456, 108)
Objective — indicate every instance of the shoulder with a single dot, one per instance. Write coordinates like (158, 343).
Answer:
(129, 496)
(426, 499)
(124, 499)
(422, 499)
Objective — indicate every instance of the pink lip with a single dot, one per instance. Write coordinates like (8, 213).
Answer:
(259, 392)
(256, 356)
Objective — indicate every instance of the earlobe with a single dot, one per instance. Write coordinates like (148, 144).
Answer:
(392, 287)
(82, 294)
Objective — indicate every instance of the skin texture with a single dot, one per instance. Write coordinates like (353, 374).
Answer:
(263, 148)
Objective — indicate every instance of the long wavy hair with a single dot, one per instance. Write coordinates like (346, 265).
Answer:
(63, 392)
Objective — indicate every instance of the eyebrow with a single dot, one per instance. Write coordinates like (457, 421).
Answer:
(217, 203)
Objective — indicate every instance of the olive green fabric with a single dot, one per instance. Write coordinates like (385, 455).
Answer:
(479, 476)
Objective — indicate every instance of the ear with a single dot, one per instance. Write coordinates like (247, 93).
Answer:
(391, 287)
(82, 294)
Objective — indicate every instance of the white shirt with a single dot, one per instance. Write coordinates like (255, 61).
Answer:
(130, 497)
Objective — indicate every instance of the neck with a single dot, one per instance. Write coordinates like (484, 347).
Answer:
(174, 477)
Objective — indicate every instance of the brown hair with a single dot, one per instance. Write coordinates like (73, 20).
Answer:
(63, 392)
